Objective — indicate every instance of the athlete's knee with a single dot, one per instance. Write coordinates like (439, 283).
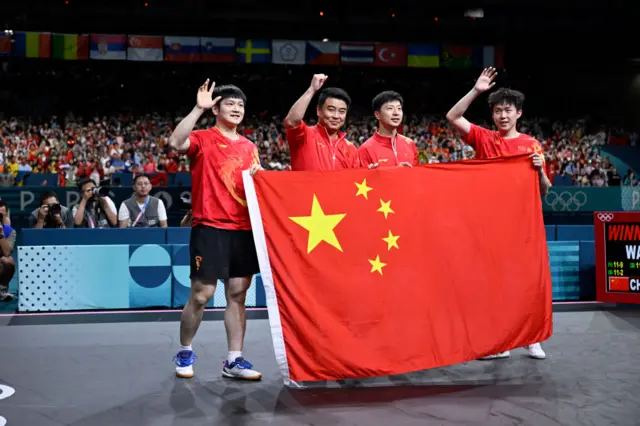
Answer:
(236, 289)
(201, 292)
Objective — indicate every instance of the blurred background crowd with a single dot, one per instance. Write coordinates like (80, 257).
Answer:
(78, 147)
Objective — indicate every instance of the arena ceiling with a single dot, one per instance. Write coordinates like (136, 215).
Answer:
(344, 19)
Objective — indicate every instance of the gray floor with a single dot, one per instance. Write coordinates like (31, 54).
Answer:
(121, 374)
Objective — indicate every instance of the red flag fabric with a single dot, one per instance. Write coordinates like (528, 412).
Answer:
(387, 271)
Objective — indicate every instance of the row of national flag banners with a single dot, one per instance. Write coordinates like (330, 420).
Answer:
(230, 50)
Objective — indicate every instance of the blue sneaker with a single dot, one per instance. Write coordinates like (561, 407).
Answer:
(240, 369)
(184, 361)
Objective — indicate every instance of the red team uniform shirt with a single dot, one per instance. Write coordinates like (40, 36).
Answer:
(379, 149)
(489, 144)
(218, 197)
(312, 150)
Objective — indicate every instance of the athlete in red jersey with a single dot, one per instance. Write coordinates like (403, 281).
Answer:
(221, 246)
(506, 109)
(322, 147)
(388, 148)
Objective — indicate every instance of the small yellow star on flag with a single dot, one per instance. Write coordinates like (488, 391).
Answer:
(363, 189)
(385, 207)
(377, 265)
(392, 241)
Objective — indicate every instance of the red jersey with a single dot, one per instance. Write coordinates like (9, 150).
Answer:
(380, 149)
(217, 194)
(312, 149)
(489, 143)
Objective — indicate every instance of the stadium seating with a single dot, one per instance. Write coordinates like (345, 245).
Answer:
(575, 158)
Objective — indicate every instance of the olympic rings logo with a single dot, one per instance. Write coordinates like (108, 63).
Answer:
(566, 201)
(605, 217)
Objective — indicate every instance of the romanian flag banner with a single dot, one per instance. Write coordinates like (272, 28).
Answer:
(32, 44)
(381, 272)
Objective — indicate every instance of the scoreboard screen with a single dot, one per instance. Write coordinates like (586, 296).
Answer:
(617, 239)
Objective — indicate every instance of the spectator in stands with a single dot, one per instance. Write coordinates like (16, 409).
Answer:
(614, 178)
(142, 210)
(7, 243)
(77, 148)
(630, 179)
(94, 210)
(50, 214)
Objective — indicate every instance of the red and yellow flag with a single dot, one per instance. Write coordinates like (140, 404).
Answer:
(381, 272)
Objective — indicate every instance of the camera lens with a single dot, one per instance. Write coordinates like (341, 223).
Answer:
(55, 209)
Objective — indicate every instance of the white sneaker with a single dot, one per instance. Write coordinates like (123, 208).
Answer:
(5, 296)
(184, 364)
(535, 351)
(501, 355)
(240, 369)
(185, 372)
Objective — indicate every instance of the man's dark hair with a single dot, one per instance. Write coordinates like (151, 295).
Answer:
(384, 97)
(47, 194)
(83, 182)
(228, 91)
(138, 177)
(3, 203)
(504, 96)
(333, 92)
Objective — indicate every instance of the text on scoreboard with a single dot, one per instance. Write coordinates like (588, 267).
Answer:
(622, 251)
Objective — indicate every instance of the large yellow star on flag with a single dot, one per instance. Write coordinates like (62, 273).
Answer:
(320, 226)
(392, 241)
(363, 189)
(377, 265)
(385, 207)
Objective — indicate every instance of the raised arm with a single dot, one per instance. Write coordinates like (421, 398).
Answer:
(456, 114)
(179, 139)
(297, 111)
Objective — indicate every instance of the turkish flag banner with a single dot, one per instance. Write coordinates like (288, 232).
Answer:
(381, 272)
(391, 55)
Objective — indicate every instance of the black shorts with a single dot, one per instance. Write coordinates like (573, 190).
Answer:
(219, 254)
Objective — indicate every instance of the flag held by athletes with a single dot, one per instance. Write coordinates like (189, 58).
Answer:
(382, 272)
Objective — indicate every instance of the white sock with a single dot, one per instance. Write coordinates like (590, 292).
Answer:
(186, 348)
(233, 355)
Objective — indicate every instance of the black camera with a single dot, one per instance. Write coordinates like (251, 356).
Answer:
(102, 191)
(55, 209)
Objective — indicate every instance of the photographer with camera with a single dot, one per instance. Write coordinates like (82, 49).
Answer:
(96, 209)
(50, 214)
(7, 242)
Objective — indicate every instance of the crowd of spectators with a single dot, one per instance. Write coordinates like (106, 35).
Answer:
(77, 147)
